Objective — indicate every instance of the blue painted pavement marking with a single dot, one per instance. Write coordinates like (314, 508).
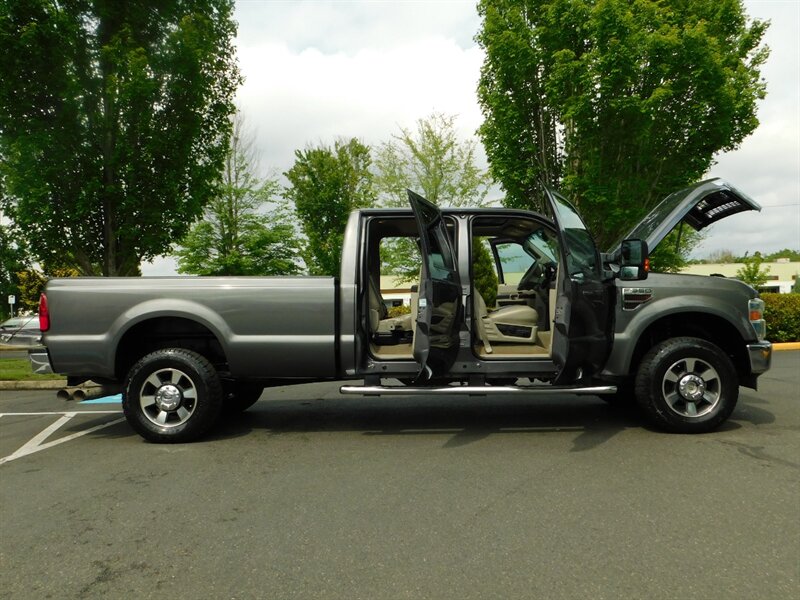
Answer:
(116, 399)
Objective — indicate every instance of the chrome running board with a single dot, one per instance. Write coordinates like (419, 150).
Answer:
(474, 390)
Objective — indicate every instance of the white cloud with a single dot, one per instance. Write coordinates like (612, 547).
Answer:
(306, 97)
(315, 71)
(349, 26)
(767, 166)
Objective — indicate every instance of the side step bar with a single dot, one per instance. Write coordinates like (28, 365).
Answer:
(474, 390)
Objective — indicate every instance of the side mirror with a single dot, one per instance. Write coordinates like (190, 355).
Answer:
(634, 263)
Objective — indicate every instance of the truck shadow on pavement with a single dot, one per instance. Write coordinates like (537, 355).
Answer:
(466, 420)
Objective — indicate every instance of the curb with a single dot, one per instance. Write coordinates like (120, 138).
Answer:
(44, 384)
(786, 346)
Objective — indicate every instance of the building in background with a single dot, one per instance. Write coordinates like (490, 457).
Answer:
(782, 274)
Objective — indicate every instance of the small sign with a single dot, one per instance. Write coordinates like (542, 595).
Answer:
(12, 299)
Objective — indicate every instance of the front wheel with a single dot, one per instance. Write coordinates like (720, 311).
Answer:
(687, 385)
(172, 395)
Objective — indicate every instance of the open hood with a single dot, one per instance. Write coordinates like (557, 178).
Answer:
(699, 205)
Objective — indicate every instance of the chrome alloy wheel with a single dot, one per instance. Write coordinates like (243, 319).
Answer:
(168, 397)
(691, 387)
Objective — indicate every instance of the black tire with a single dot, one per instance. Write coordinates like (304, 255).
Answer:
(241, 397)
(687, 385)
(172, 395)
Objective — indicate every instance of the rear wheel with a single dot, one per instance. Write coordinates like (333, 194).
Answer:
(687, 385)
(172, 395)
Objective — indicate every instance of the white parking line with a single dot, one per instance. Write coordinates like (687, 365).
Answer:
(38, 443)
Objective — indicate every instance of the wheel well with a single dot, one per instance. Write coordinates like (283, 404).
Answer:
(167, 332)
(709, 327)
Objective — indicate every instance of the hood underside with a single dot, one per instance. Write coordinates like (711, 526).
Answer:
(699, 206)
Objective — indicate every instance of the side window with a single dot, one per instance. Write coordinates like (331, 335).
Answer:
(400, 258)
(514, 262)
(442, 263)
(582, 257)
(582, 254)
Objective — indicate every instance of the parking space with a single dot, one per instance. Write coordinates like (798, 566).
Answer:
(314, 495)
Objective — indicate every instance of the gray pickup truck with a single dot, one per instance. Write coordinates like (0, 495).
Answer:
(568, 319)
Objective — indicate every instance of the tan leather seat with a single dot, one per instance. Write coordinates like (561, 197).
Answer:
(379, 319)
(516, 324)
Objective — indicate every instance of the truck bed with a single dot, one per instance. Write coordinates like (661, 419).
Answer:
(266, 326)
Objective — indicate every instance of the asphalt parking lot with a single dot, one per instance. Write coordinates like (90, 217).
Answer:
(314, 495)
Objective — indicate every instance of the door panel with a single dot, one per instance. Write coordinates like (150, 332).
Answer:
(439, 307)
(583, 318)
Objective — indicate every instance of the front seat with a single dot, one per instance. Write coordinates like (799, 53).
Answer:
(385, 329)
(515, 324)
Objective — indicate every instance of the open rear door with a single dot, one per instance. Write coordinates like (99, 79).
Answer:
(582, 319)
(436, 339)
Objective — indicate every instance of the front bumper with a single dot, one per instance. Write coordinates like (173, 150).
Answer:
(760, 355)
(40, 361)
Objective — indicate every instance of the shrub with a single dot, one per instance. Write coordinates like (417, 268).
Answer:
(398, 311)
(782, 312)
(483, 273)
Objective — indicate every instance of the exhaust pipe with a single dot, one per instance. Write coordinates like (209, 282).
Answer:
(89, 392)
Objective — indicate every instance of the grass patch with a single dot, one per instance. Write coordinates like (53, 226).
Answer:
(19, 369)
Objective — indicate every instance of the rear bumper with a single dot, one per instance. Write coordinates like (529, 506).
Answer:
(40, 361)
(760, 355)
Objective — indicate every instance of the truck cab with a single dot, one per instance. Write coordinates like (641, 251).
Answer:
(568, 318)
(554, 312)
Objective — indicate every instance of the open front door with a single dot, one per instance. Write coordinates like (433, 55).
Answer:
(582, 319)
(436, 339)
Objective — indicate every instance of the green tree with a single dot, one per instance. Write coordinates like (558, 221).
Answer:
(326, 184)
(431, 161)
(672, 253)
(483, 273)
(31, 286)
(521, 128)
(640, 93)
(751, 272)
(13, 260)
(792, 255)
(235, 236)
(434, 162)
(720, 256)
(114, 122)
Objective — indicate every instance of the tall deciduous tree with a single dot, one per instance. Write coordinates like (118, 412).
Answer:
(236, 235)
(432, 161)
(521, 131)
(628, 99)
(13, 260)
(325, 185)
(114, 122)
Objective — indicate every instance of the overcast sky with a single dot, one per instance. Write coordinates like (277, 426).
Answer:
(317, 70)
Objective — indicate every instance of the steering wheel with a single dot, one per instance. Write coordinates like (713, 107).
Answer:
(533, 277)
